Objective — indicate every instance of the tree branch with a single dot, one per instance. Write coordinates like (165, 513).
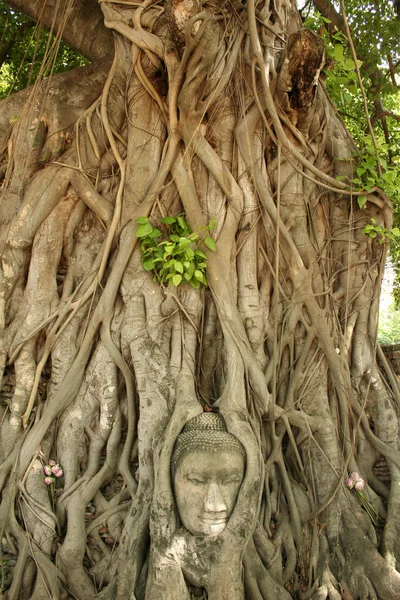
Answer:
(387, 113)
(328, 11)
(83, 28)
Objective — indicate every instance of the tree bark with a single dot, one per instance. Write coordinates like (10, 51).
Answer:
(207, 112)
(79, 22)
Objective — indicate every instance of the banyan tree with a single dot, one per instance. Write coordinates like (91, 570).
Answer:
(180, 237)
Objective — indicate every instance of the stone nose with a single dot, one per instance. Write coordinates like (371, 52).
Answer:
(214, 502)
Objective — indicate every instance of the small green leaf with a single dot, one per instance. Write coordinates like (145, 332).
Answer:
(212, 223)
(210, 243)
(198, 274)
(187, 276)
(349, 64)
(396, 231)
(155, 233)
(338, 52)
(176, 280)
(178, 267)
(389, 176)
(201, 254)
(348, 98)
(170, 263)
(191, 269)
(144, 230)
(361, 200)
(194, 283)
(148, 265)
(142, 220)
(168, 249)
(190, 253)
(174, 238)
(383, 162)
(182, 223)
(360, 171)
(184, 243)
(168, 220)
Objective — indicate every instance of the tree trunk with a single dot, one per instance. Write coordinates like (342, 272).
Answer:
(211, 111)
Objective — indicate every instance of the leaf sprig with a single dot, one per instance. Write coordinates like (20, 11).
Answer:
(374, 230)
(176, 257)
(367, 171)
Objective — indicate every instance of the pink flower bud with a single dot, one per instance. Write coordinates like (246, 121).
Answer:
(355, 476)
(48, 480)
(55, 469)
(59, 473)
(350, 483)
(52, 463)
(359, 485)
(47, 470)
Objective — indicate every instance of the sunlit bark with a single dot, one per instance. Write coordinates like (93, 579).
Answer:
(210, 110)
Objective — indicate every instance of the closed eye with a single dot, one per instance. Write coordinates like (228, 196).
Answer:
(196, 481)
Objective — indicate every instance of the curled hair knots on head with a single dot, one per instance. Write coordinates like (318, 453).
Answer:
(207, 432)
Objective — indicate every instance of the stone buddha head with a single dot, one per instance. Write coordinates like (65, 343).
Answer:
(207, 467)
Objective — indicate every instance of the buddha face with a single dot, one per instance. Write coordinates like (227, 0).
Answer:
(206, 486)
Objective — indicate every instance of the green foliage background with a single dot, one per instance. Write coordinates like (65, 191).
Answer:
(28, 51)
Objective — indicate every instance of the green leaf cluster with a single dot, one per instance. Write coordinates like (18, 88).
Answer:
(172, 252)
(375, 31)
(340, 73)
(370, 161)
(373, 230)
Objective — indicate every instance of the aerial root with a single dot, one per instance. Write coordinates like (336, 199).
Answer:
(164, 348)
(325, 587)
(48, 577)
(258, 579)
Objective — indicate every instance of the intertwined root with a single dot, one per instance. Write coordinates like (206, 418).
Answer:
(213, 111)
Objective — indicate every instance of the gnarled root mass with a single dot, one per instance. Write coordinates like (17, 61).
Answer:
(214, 110)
